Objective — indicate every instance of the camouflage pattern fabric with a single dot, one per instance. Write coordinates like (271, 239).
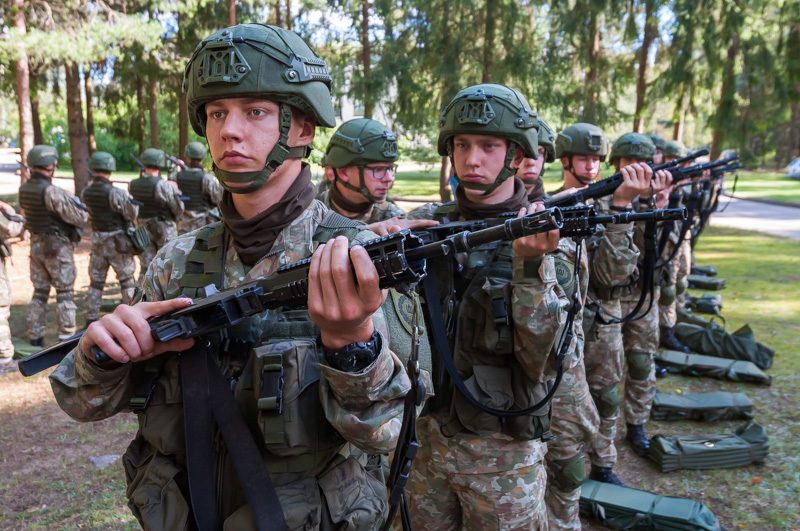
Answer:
(193, 220)
(109, 249)
(380, 211)
(640, 337)
(468, 481)
(575, 423)
(8, 229)
(678, 269)
(363, 408)
(161, 231)
(52, 264)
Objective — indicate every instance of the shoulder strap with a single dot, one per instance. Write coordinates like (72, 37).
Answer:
(205, 263)
(335, 224)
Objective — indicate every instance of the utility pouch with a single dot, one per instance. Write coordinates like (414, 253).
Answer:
(355, 499)
(139, 237)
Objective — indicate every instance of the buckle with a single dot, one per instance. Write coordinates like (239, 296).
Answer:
(270, 397)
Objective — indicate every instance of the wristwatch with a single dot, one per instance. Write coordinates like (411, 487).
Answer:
(356, 356)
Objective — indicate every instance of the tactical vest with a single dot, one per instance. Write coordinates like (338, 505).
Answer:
(97, 198)
(38, 219)
(483, 347)
(191, 184)
(143, 190)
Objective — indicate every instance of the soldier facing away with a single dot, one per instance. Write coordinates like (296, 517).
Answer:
(111, 212)
(202, 190)
(11, 225)
(311, 385)
(54, 217)
(160, 207)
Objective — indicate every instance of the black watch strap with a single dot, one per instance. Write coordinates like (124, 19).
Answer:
(356, 356)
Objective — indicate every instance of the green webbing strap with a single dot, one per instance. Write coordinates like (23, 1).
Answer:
(205, 262)
(335, 224)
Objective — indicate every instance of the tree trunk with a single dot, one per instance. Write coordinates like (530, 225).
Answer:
(679, 115)
(488, 41)
(590, 112)
(366, 59)
(726, 100)
(231, 12)
(289, 14)
(87, 87)
(78, 139)
(23, 92)
(152, 102)
(650, 34)
(444, 181)
(278, 20)
(140, 114)
(38, 137)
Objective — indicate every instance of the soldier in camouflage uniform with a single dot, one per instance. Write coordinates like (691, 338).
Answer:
(111, 212)
(640, 336)
(202, 190)
(576, 420)
(660, 144)
(54, 217)
(160, 204)
(362, 154)
(474, 469)
(531, 170)
(312, 386)
(11, 225)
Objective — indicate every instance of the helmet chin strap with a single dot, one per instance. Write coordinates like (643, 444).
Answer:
(280, 152)
(583, 180)
(362, 185)
(504, 174)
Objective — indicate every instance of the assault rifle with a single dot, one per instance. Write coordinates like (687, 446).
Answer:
(690, 172)
(399, 258)
(177, 162)
(608, 185)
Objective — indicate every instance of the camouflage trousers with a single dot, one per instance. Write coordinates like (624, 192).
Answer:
(679, 270)
(108, 250)
(488, 482)
(604, 357)
(160, 232)
(52, 264)
(6, 346)
(640, 340)
(192, 220)
(574, 423)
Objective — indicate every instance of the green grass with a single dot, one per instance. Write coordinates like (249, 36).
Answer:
(766, 185)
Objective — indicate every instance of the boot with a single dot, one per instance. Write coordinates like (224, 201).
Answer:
(38, 342)
(669, 341)
(661, 371)
(604, 474)
(638, 439)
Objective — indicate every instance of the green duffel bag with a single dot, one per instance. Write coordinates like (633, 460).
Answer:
(721, 368)
(713, 340)
(706, 282)
(619, 507)
(705, 407)
(709, 271)
(710, 303)
(685, 315)
(748, 445)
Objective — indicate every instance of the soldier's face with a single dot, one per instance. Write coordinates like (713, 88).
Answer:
(530, 170)
(378, 178)
(658, 158)
(585, 168)
(479, 159)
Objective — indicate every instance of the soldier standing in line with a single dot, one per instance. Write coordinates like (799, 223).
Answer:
(202, 190)
(475, 470)
(161, 204)
(531, 170)
(111, 212)
(54, 217)
(660, 144)
(11, 226)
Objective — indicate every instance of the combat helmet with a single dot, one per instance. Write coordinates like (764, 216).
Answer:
(359, 142)
(582, 139)
(42, 156)
(547, 139)
(194, 151)
(102, 161)
(674, 149)
(633, 146)
(658, 142)
(258, 61)
(154, 158)
(490, 109)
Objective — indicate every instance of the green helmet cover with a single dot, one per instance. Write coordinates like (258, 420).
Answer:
(194, 150)
(259, 61)
(102, 161)
(495, 110)
(659, 142)
(41, 156)
(547, 139)
(674, 149)
(633, 146)
(582, 139)
(155, 158)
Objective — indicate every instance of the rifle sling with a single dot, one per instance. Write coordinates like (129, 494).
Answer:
(210, 397)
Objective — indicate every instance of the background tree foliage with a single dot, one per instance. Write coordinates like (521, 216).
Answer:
(97, 74)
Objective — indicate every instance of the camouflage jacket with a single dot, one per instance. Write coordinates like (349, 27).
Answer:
(378, 211)
(10, 228)
(63, 203)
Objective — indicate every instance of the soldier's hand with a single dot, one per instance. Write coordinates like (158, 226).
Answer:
(537, 244)
(343, 293)
(124, 335)
(382, 228)
(636, 180)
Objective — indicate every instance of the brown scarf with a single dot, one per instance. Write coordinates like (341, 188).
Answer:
(537, 192)
(472, 210)
(339, 200)
(254, 237)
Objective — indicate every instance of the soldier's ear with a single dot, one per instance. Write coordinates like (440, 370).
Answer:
(302, 129)
(347, 174)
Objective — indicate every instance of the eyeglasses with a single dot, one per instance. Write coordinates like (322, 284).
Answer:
(379, 173)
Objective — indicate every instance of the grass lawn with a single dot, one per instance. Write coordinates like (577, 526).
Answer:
(766, 185)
